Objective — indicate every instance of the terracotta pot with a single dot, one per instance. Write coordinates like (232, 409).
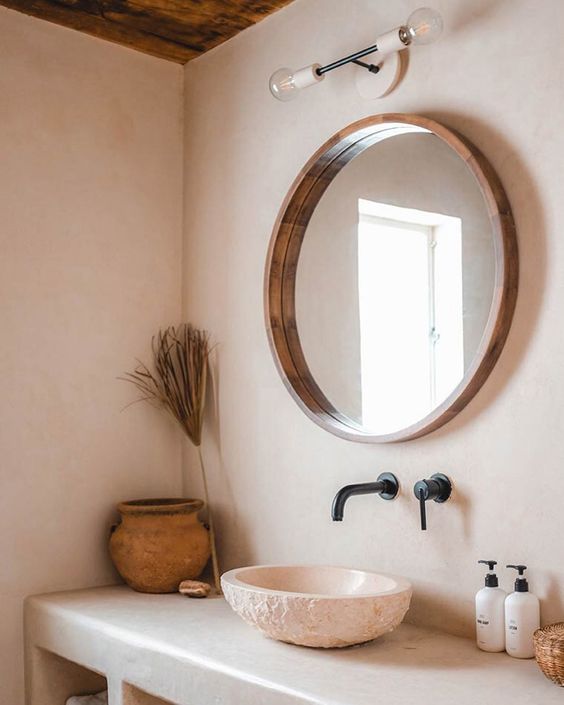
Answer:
(159, 543)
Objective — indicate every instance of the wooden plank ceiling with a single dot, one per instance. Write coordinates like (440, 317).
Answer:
(177, 30)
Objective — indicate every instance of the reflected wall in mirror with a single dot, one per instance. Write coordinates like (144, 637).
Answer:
(391, 279)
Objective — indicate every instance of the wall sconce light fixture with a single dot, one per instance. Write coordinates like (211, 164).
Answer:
(423, 26)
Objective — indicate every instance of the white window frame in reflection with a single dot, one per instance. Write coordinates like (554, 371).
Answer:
(411, 312)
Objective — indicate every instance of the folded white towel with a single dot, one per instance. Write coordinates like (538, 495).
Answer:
(98, 699)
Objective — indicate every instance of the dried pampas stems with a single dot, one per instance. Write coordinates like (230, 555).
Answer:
(178, 384)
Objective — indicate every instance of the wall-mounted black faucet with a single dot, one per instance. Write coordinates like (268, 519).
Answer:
(387, 486)
(438, 488)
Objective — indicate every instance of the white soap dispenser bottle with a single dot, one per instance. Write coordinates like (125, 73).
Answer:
(522, 618)
(490, 621)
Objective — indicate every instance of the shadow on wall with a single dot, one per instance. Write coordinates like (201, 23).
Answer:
(434, 611)
(473, 15)
(461, 502)
(526, 204)
(228, 518)
(552, 604)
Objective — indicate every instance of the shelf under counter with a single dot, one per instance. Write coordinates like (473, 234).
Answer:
(158, 649)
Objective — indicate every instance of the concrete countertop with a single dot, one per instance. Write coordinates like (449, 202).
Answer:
(198, 652)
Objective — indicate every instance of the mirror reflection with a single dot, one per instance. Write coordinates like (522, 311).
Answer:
(395, 281)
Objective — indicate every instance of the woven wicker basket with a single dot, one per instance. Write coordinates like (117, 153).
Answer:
(549, 651)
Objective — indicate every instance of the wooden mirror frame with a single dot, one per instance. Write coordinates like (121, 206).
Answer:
(284, 251)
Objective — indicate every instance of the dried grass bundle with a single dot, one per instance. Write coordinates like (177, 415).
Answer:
(177, 383)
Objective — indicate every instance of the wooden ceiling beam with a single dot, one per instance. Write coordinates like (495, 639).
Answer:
(177, 30)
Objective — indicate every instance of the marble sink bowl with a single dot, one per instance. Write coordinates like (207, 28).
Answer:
(317, 606)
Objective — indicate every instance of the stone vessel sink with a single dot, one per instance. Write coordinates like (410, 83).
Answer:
(317, 606)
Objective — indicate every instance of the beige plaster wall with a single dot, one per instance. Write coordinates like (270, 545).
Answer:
(273, 471)
(90, 243)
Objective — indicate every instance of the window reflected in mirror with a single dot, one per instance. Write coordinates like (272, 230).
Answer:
(410, 312)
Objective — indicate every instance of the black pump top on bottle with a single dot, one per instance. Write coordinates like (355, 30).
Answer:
(491, 578)
(521, 584)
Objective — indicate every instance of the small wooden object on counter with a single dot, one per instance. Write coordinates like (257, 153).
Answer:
(549, 651)
(194, 588)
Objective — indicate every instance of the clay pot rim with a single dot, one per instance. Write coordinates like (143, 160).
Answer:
(165, 505)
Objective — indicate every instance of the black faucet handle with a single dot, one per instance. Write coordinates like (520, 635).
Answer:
(422, 508)
(438, 488)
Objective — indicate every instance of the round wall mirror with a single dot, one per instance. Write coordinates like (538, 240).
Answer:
(391, 279)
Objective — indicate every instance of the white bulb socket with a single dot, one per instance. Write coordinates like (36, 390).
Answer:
(308, 76)
(286, 84)
(389, 43)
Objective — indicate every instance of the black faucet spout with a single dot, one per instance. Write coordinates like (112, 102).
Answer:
(387, 486)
